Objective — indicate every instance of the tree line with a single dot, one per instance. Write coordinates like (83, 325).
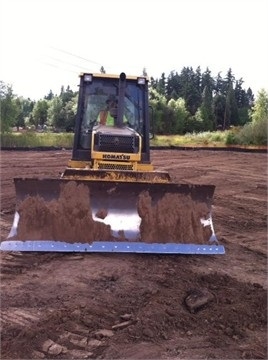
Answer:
(192, 101)
(53, 111)
(189, 101)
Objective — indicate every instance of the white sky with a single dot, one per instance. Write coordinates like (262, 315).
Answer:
(38, 36)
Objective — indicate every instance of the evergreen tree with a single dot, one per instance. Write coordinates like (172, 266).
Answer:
(232, 107)
(229, 81)
(207, 81)
(218, 104)
(242, 101)
(66, 95)
(250, 97)
(198, 79)
(227, 112)
(206, 110)
(219, 84)
(240, 94)
(153, 83)
(190, 88)
(161, 85)
(173, 86)
(49, 96)
(144, 72)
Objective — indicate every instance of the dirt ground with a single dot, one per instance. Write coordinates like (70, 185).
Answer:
(118, 306)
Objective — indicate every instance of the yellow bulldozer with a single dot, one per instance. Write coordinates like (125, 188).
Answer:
(109, 198)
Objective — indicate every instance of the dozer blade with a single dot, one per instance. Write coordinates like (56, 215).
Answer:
(60, 215)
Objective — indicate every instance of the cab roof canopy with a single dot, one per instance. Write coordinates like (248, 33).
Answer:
(113, 76)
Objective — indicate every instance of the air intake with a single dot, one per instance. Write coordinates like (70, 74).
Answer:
(115, 166)
(116, 143)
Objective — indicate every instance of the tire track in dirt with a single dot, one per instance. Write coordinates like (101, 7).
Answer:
(65, 306)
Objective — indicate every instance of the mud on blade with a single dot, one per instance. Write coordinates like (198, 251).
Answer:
(64, 215)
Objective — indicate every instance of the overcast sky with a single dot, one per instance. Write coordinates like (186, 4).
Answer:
(47, 43)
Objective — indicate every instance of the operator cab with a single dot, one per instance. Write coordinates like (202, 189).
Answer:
(111, 104)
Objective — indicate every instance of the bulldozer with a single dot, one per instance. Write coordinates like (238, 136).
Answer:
(109, 197)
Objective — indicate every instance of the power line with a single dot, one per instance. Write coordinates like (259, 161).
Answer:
(57, 67)
(77, 56)
(66, 62)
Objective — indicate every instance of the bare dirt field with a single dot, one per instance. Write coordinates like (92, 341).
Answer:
(127, 306)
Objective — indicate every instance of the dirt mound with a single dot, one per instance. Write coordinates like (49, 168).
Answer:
(174, 218)
(68, 219)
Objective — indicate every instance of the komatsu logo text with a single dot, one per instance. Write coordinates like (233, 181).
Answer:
(116, 157)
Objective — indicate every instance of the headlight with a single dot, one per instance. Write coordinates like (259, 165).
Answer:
(88, 77)
(141, 81)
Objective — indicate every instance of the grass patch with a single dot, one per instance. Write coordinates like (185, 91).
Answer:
(217, 138)
(250, 134)
(33, 139)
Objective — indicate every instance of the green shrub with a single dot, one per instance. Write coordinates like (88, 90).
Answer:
(253, 133)
(231, 138)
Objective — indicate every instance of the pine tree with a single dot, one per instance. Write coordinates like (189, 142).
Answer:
(206, 110)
